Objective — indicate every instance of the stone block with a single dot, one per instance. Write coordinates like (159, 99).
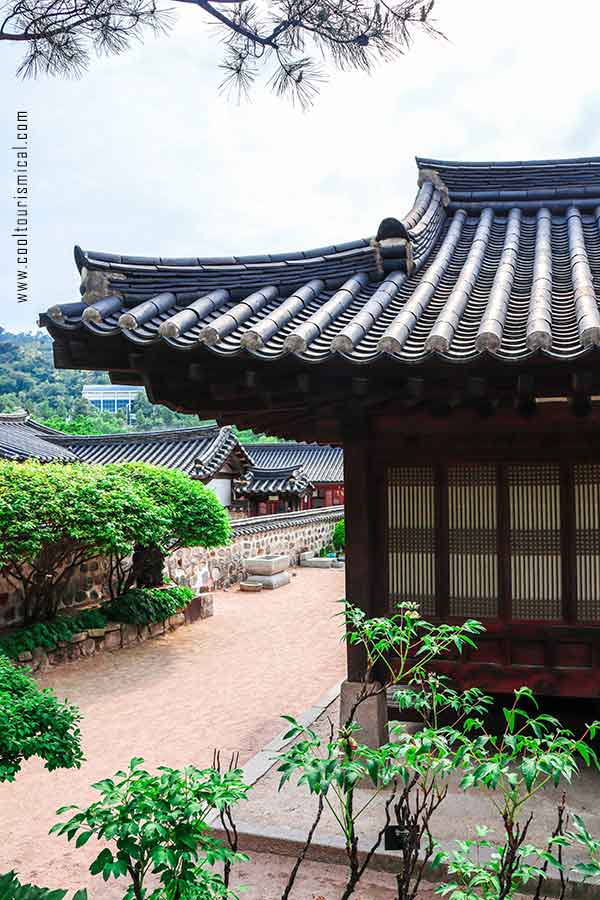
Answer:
(112, 639)
(25, 656)
(252, 587)
(129, 634)
(78, 637)
(337, 563)
(112, 626)
(267, 565)
(96, 632)
(371, 714)
(318, 562)
(177, 620)
(40, 662)
(307, 554)
(155, 629)
(270, 582)
(207, 606)
(87, 648)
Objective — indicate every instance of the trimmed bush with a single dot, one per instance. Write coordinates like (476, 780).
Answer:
(143, 606)
(54, 517)
(338, 539)
(48, 634)
(34, 722)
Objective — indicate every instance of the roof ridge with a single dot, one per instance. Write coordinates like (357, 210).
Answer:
(137, 436)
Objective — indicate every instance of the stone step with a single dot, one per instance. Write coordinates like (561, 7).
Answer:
(317, 562)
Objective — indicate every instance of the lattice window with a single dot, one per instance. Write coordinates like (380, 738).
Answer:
(411, 535)
(536, 565)
(473, 540)
(587, 541)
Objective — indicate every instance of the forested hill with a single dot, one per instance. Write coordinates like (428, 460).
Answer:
(28, 380)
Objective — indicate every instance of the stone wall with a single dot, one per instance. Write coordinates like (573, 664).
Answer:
(289, 533)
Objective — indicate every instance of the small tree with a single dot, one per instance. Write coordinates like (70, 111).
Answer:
(55, 517)
(187, 515)
(338, 538)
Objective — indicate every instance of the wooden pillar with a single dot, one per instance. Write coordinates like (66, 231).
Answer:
(360, 518)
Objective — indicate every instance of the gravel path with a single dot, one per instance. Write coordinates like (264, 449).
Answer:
(222, 682)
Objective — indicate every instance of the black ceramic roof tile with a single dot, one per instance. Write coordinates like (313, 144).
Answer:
(440, 304)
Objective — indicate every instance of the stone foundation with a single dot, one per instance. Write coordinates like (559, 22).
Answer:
(114, 636)
(288, 534)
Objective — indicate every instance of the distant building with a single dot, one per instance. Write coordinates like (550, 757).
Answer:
(248, 479)
(112, 398)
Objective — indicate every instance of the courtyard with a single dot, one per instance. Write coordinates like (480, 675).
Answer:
(220, 683)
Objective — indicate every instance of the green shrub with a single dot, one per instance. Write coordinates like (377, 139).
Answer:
(12, 889)
(338, 537)
(34, 722)
(48, 634)
(188, 514)
(157, 825)
(143, 606)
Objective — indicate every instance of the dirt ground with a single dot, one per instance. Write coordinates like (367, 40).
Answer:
(222, 682)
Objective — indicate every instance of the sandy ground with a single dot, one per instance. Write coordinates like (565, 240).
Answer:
(222, 682)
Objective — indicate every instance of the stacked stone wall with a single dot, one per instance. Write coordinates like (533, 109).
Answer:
(199, 569)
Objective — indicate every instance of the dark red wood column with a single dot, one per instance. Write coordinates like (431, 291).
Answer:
(360, 517)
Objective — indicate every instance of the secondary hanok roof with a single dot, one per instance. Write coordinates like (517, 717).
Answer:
(277, 480)
(321, 465)
(21, 438)
(199, 452)
(495, 265)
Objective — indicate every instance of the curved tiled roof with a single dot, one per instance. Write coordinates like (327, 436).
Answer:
(321, 464)
(199, 452)
(257, 524)
(21, 438)
(502, 259)
(274, 480)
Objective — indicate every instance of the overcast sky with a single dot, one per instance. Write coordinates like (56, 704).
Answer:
(143, 156)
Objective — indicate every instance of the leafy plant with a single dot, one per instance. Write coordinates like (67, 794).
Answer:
(156, 825)
(54, 517)
(338, 538)
(187, 515)
(48, 634)
(12, 889)
(533, 751)
(34, 722)
(143, 606)
(333, 770)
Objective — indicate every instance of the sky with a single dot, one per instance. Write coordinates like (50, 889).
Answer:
(142, 155)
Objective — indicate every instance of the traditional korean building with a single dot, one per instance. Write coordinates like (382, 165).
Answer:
(290, 476)
(454, 358)
(211, 454)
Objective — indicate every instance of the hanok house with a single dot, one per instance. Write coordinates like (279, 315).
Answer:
(453, 356)
(211, 454)
(291, 476)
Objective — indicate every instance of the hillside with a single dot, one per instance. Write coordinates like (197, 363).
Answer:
(28, 380)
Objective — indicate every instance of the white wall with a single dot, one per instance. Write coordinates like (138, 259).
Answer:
(222, 488)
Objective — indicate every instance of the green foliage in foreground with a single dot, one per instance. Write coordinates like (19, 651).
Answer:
(12, 889)
(34, 722)
(338, 538)
(157, 824)
(48, 634)
(143, 606)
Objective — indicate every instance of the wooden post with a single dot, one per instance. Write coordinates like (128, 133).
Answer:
(359, 513)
